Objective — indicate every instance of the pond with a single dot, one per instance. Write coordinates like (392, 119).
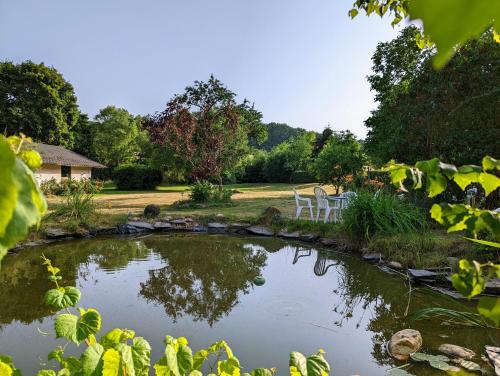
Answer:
(201, 287)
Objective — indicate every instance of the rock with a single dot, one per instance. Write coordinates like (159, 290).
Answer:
(395, 265)
(188, 220)
(59, 233)
(178, 222)
(328, 242)
(199, 228)
(289, 235)
(152, 211)
(126, 229)
(405, 342)
(217, 228)
(307, 237)
(238, 225)
(373, 257)
(458, 351)
(162, 226)
(260, 230)
(103, 230)
(493, 354)
(141, 225)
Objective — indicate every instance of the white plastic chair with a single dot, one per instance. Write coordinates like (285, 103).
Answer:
(323, 202)
(348, 196)
(299, 200)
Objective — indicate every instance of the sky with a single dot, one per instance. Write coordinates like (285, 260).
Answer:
(302, 62)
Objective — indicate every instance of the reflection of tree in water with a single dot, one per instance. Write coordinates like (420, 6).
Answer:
(23, 278)
(203, 277)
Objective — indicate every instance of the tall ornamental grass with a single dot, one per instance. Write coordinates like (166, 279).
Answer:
(370, 215)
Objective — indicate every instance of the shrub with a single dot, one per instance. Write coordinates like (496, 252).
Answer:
(134, 177)
(78, 207)
(204, 191)
(53, 187)
(369, 215)
(152, 211)
(201, 191)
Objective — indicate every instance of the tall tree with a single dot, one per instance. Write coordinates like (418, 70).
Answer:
(340, 158)
(207, 128)
(423, 113)
(116, 137)
(277, 133)
(36, 100)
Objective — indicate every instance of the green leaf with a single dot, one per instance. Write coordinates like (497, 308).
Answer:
(469, 281)
(353, 13)
(198, 373)
(398, 372)
(452, 22)
(485, 242)
(5, 369)
(92, 362)
(262, 372)
(77, 329)
(466, 175)
(184, 359)
(141, 352)
(438, 364)
(490, 308)
(46, 372)
(314, 365)
(422, 357)
(162, 368)
(229, 367)
(21, 202)
(62, 297)
(116, 336)
(31, 158)
(490, 163)
(126, 358)
(489, 182)
(199, 357)
(111, 363)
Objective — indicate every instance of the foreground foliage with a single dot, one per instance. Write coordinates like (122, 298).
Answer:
(21, 201)
(470, 281)
(121, 352)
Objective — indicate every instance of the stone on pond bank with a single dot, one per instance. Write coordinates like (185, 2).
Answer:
(405, 342)
(260, 230)
(458, 351)
(162, 226)
(59, 233)
(289, 235)
(395, 265)
(141, 225)
(372, 257)
(217, 228)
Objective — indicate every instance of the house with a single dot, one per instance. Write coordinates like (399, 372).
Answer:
(60, 163)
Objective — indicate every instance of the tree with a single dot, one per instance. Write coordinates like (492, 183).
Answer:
(340, 158)
(83, 134)
(37, 101)
(423, 113)
(206, 128)
(277, 133)
(289, 157)
(116, 137)
(322, 139)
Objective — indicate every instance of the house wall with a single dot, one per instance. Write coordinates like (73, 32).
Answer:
(50, 171)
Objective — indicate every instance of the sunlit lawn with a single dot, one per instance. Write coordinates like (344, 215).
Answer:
(248, 202)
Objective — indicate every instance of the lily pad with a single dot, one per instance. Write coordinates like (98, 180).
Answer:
(421, 357)
(439, 364)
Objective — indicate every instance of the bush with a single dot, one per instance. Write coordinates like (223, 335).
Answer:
(53, 187)
(201, 191)
(134, 177)
(152, 211)
(254, 170)
(204, 191)
(78, 207)
(369, 215)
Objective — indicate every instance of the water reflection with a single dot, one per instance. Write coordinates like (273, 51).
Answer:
(204, 279)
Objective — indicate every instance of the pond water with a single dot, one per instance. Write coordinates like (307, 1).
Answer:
(200, 287)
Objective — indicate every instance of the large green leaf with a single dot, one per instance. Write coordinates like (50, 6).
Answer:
(92, 362)
(162, 368)
(62, 297)
(141, 352)
(126, 358)
(490, 308)
(263, 372)
(489, 182)
(452, 22)
(314, 365)
(111, 363)
(46, 372)
(21, 202)
(229, 367)
(5, 369)
(77, 329)
(490, 163)
(116, 336)
(469, 281)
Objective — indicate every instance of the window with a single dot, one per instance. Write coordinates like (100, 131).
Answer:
(66, 172)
